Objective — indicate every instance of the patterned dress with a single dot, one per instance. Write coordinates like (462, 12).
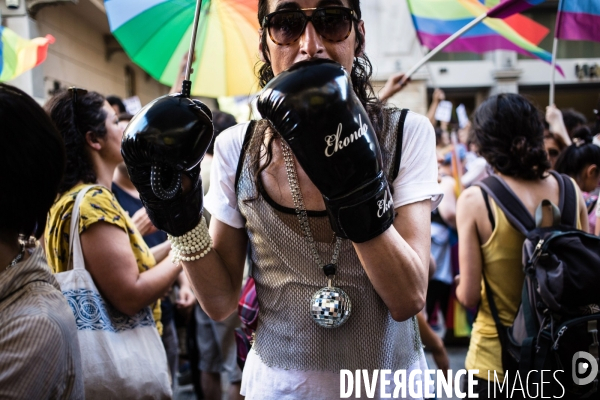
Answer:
(99, 205)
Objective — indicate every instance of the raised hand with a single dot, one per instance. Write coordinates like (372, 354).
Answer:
(166, 139)
(314, 108)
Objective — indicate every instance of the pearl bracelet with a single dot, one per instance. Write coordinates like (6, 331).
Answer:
(194, 241)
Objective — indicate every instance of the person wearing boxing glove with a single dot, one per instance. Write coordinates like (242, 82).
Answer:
(165, 140)
(381, 263)
(314, 109)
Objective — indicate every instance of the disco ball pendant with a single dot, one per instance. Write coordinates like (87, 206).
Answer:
(330, 307)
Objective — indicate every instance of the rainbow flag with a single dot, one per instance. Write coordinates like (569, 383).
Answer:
(18, 55)
(436, 20)
(578, 20)
(510, 7)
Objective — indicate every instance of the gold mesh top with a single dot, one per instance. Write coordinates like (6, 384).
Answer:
(287, 276)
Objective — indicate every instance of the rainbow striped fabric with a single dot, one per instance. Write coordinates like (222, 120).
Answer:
(436, 20)
(18, 55)
(578, 20)
(510, 7)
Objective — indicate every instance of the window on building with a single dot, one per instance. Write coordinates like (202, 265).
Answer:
(457, 57)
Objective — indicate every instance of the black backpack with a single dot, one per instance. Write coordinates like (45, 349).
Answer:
(559, 313)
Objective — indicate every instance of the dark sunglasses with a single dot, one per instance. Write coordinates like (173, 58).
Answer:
(75, 93)
(332, 23)
(553, 152)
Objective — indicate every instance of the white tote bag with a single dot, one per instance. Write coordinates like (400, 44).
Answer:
(122, 357)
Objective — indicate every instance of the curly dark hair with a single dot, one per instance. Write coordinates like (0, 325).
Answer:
(360, 77)
(361, 67)
(32, 161)
(510, 136)
(74, 120)
(582, 153)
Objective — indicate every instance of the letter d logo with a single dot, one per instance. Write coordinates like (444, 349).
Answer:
(581, 368)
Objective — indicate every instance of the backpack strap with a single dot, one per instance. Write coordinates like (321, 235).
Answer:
(486, 199)
(398, 158)
(509, 203)
(519, 217)
(247, 137)
(568, 199)
(493, 308)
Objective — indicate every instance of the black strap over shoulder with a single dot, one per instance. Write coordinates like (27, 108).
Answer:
(568, 210)
(517, 213)
(486, 199)
(509, 203)
(247, 137)
(398, 157)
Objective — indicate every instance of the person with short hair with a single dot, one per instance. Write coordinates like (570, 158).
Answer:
(39, 349)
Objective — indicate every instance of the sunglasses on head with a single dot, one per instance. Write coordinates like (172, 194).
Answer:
(332, 23)
(75, 93)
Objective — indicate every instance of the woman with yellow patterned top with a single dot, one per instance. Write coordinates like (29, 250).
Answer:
(122, 266)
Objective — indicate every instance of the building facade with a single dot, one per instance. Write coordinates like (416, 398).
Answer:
(392, 46)
(85, 54)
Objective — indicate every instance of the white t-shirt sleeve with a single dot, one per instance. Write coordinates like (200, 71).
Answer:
(416, 180)
(221, 200)
(417, 177)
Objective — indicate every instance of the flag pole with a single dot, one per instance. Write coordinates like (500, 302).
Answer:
(554, 51)
(442, 45)
(187, 85)
(554, 48)
(429, 70)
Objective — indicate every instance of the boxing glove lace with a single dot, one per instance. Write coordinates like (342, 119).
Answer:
(166, 139)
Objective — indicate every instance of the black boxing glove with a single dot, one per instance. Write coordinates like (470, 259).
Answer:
(166, 139)
(314, 108)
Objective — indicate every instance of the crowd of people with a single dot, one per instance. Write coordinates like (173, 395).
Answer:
(275, 215)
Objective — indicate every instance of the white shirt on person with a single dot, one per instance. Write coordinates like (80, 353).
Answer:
(416, 181)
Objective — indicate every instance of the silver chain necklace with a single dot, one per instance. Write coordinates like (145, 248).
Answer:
(330, 306)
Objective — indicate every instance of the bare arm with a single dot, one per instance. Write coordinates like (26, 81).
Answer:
(186, 298)
(583, 213)
(397, 261)
(438, 95)
(161, 251)
(393, 85)
(470, 205)
(434, 344)
(432, 266)
(447, 207)
(217, 277)
(557, 125)
(110, 261)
